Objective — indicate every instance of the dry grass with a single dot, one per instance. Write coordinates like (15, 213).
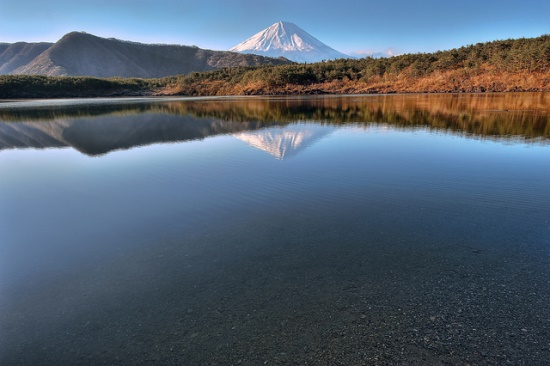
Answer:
(453, 81)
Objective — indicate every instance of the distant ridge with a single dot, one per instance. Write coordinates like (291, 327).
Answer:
(83, 54)
(290, 41)
(15, 55)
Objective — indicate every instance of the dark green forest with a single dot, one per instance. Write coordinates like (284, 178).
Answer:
(39, 86)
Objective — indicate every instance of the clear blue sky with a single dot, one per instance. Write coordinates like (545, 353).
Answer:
(349, 26)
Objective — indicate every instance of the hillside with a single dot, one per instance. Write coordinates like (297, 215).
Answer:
(499, 66)
(15, 55)
(510, 65)
(82, 54)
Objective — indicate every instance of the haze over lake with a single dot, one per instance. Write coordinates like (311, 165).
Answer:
(321, 230)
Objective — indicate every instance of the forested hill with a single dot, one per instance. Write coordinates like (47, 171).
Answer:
(499, 66)
(510, 65)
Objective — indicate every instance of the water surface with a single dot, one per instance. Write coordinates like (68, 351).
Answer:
(327, 230)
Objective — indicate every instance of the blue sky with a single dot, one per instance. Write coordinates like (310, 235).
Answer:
(352, 27)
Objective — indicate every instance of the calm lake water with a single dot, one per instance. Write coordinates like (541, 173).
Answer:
(322, 231)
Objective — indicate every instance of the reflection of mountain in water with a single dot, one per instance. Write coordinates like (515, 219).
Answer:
(98, 127)
(25, 135)
(100, 135)
(283, 142)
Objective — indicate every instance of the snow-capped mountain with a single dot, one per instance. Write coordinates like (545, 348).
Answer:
(290, 41)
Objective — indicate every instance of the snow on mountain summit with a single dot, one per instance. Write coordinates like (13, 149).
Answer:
(290, 41)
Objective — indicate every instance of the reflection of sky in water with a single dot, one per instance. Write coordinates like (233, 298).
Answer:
(187, 243)
(59, 205)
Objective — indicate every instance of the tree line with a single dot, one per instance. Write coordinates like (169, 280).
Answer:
(39, 86)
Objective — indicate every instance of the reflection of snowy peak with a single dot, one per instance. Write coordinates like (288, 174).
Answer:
(97, 135)
(282, 142)
(290, 41)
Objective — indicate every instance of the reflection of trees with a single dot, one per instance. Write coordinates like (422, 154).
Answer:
(497, 115)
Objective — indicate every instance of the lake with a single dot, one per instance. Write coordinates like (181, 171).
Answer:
(329, 230)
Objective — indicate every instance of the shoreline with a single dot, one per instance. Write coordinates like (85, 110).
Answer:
(307, 93)
(176, 97)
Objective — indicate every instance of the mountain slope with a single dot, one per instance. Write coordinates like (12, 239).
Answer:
(82, 54)
(288, 40)
(15, 55)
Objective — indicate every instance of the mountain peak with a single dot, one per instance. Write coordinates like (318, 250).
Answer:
(286, 25)
(288, 40)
